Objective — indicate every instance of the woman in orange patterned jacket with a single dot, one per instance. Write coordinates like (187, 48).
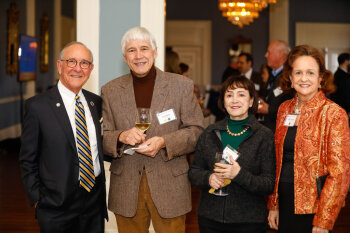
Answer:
(301, 151)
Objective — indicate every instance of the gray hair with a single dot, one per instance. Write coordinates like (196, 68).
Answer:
(284, 46)
(138, 33)
(74, 43)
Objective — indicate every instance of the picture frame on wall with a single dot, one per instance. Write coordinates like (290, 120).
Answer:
(12, 39)
(44, 43)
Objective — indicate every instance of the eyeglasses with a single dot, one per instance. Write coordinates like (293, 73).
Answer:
(71, 63)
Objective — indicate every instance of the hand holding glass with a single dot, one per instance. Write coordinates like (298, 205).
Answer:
(220, 159)
(143, 119)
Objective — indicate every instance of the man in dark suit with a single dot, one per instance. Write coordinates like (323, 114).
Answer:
(231, 69)
(245, 67)
(342, 80)
(276, 55)
(61, 155)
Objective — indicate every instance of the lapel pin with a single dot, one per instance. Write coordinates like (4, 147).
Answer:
(101, 120)
(58, 105)
(92, 103)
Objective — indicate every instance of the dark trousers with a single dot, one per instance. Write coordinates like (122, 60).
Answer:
(84, 214)
(288, 221)
(210, 226)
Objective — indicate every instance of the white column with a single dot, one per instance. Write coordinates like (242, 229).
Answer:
(153, 18)
(88, 32)
(279, 21)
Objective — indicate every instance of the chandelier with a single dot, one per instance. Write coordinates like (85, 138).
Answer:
(242, 12)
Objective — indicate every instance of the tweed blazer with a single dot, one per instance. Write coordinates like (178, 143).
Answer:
(167, 171)
(335, 159)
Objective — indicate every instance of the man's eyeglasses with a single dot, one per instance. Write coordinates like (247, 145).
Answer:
(71, 63)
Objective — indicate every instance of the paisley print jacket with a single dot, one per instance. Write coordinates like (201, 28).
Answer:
(334, 159)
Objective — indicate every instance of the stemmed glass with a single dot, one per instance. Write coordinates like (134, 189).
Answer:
(220, 159)
(143, 119)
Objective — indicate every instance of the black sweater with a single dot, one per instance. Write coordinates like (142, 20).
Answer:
(246, 200)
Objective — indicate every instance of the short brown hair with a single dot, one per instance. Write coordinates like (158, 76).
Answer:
(239, 81)
(327, 85)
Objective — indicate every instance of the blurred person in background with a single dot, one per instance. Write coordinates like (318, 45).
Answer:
(231, 69)
(276, 55)
(342, 81)
(172, 61)
(245, 67)
(264, 73)
(184, 69)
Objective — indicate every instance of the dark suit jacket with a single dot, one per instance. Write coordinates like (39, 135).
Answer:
(342, 94)
(48, 157)
(274, 98)
(229, 71)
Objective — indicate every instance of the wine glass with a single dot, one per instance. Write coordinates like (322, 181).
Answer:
(220, 159)
(143, 119)
(202, 95)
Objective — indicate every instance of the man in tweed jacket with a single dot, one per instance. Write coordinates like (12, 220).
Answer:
(152, 183)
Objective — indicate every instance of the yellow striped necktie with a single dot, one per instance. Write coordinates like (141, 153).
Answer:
(86, 168)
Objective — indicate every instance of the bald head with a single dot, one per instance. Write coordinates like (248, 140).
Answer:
(276, 54)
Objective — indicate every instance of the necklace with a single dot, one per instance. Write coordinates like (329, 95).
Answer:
(236, 134)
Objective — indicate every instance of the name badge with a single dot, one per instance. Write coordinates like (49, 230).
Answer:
(166, 116)
(277, 91)
(229, 152)
(290, 120)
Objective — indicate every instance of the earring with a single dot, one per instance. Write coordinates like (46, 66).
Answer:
(319, 86)
(291, 85)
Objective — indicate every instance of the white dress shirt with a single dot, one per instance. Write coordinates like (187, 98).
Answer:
(68, 98)
(248, 75)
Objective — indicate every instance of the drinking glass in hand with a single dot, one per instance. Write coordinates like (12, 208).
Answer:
(143, 119)
(219, 159)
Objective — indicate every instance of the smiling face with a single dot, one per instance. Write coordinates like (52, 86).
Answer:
(74, 78)
(305, 77)
(140, 57)
(237, 103)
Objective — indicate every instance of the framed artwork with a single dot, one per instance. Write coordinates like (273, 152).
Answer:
(12, 39)
(44, 43)
(238, 45)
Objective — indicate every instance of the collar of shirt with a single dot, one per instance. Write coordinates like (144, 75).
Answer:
(276, 72)
(343, 70)
(67, 95)
(248, 75)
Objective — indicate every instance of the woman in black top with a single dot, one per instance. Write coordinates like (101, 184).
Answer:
(252, 176)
